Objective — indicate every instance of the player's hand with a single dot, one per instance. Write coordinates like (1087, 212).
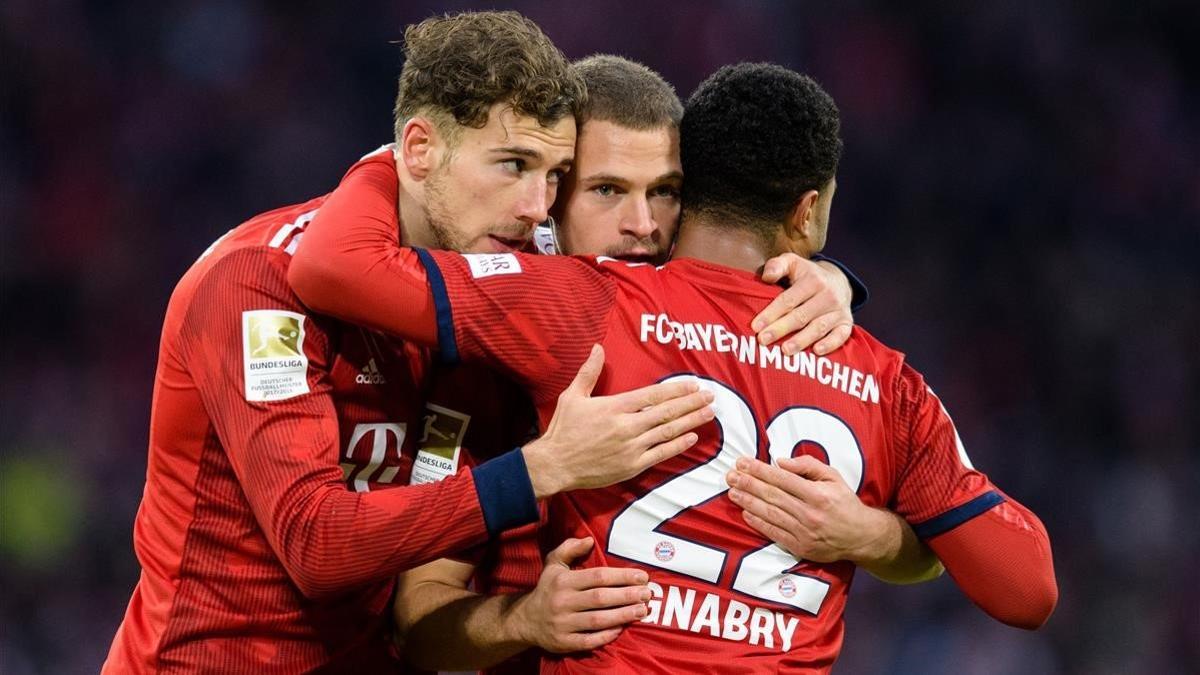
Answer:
(816, 303)
(594, 441)
(575, 610)
(804, 506)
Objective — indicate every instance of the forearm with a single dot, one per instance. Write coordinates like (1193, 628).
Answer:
(444, 627)
(350, 263)
(896, 555)
(1001, 559)
(336, 540)
(331, 539)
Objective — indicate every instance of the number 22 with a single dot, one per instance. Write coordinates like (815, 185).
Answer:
(762, 573)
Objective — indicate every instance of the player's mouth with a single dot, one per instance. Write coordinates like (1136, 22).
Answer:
(638, 255)
(506, 244)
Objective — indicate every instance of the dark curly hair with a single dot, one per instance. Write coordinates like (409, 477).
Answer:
(456, 67)
(755, 137)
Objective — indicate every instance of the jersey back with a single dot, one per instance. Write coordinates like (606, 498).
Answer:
(720, 589)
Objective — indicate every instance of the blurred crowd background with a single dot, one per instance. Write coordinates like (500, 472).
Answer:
(1020, 190)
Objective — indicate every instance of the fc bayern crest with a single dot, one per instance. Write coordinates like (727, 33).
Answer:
(664, 551)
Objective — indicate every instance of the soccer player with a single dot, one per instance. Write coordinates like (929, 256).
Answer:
(760, 147)
(276, 512)
(620, 200)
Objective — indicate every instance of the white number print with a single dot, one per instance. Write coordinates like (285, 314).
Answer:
(762, 573)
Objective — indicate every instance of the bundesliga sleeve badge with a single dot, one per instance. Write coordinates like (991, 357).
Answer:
(273, 358)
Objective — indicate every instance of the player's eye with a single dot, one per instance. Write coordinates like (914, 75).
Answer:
(605, 189)
(668, 191)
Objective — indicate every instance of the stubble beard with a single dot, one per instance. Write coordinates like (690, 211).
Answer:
(445, 237)
(628, 244)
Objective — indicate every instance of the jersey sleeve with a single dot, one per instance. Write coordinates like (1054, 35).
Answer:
(997, 551)
(349, 263)
(534, 318)
(937, 488)
(278, 427)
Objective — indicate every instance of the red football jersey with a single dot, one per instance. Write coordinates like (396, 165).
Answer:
(267, 538)
(719, 588)
(473, 415)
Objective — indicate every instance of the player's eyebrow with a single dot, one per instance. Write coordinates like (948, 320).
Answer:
(518, 150)
(610, 178)
(566, 162)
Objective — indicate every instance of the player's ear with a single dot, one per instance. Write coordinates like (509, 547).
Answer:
(802, 221)
(421, 146)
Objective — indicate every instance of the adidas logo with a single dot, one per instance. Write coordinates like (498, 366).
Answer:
(370, 374)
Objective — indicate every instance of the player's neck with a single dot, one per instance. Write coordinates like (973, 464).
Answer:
(732, 247)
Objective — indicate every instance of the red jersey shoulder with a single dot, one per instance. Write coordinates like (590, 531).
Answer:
(867, 353)
(277, 232)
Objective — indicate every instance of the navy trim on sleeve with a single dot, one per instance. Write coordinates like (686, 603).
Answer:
(859, 294)
(957, 515)
(505, 493)
(447, 343)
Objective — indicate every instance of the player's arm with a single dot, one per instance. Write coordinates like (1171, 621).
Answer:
(441, 625)
(996, 550)
(350, 264)
(804, 506)
(816, 309)
(535, 317)
(284, 451)
(1001, 559)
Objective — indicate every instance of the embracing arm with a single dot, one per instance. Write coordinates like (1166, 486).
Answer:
(804, 506)
(350, 264)
(442, 625)
(284, 450)
(816, 307)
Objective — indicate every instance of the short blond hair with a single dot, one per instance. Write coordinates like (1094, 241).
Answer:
(627, 93)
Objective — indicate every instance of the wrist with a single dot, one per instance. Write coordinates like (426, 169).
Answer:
(841, 283)
(543, 474)
(516, 624)
(879, 547)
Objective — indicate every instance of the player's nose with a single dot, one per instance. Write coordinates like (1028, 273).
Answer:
(534, 206)
(638, 221)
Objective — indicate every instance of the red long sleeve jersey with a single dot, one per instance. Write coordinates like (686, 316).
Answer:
(267, 535)
(719, 588)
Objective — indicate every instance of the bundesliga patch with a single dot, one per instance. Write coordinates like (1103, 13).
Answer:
(440, 444)
(273, 357)
(491, 264)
